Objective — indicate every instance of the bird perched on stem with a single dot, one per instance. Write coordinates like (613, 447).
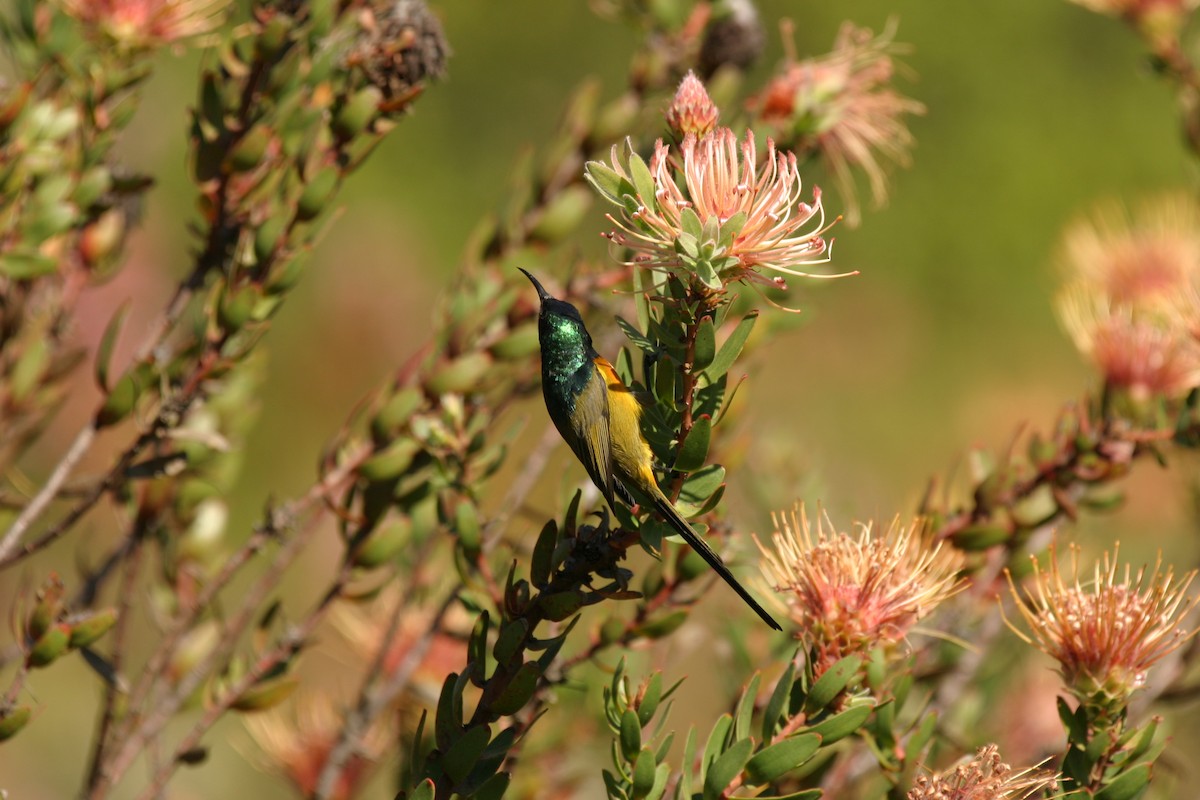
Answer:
(600, 418)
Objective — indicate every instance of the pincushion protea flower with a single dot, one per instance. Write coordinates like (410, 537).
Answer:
(731, 219)
(849, 594)
(1105, 633)
(148, 23)
(1131, 302)
(842, 107)
(984, 777)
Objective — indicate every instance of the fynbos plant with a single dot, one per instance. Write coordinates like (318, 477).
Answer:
(490, 646)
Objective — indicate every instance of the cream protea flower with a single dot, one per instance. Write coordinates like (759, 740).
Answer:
(730, 219)
(984, 777)
(1105, 633)
(842, 106)
(148, 23)
(849, 594)
(1145, 355)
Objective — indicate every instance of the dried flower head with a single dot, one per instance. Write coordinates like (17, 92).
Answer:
(296, 741)
(692, 110)
(984, 777)
(842, 106)
(734, 36)
(849, 594)
(729, 220)
(148, 23)
(1106, 633)
(401, 45)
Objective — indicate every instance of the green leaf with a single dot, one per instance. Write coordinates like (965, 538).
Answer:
(643, 181)
(832, 683)
(650, 699)
(722, 771)
(839, 726)
(730, 229)
(689, 757)
(643, 774)
(706, 345)
(607, 181)
(698, 488)
(1127, 785)
(636, 337)
(1075, 722)
(107, 342)
(707, 275)
(664, 382)
(630, 735)
(662, 625)
(424, 791)
(26, 266)
(641, 300)
(520, 688)
(460, 759)
(689, 222)
(449, 713)
(779, 698)
(541, 563)
(508, 641)
(732, 347)
(493, 788)
(771, 763)
(716, 742)
(803, 794)
(745, 708)
(694, 452)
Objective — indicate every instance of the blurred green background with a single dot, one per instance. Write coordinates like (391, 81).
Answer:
(1035, 110)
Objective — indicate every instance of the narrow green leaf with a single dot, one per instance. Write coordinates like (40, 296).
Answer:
(643, 774)
(662, 774)
(607, 181)
(689, 222)
(1127, 785)
(689, 758)
(745, 708)
(731, 348)
(698, 488)
(107, 342)
(631, 735)
(636, 336)
(520, 688)
(803, 794)
(460, 759)
(717, 740)
(643, 181)
(424, 791)
(508, 641)
(493, 788)
(706, 345)
(841, 725)
(832, 683)
(641, 300)
(776, 704)
(541, 562)
(771, 763)
(650, 699)
(447, 722)
(722, 771)
(694, 452)
(708, 275)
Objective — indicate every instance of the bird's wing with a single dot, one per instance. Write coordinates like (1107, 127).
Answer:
(590, 422)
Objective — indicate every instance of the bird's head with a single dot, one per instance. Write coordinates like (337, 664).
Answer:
(558, 318)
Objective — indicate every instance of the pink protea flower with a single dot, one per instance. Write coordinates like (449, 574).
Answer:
(849, 594)
(148, 23)
(842, 106)
(984, 777)
(1107, 632)
(692, 110)
(1143, 355)
(731, 219)
(295, 742)
(1147, 259)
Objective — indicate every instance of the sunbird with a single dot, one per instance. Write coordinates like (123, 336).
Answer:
(600, 418)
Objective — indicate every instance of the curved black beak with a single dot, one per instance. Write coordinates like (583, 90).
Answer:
(543, 295)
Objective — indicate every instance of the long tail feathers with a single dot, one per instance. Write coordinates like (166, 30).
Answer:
(664, 507)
